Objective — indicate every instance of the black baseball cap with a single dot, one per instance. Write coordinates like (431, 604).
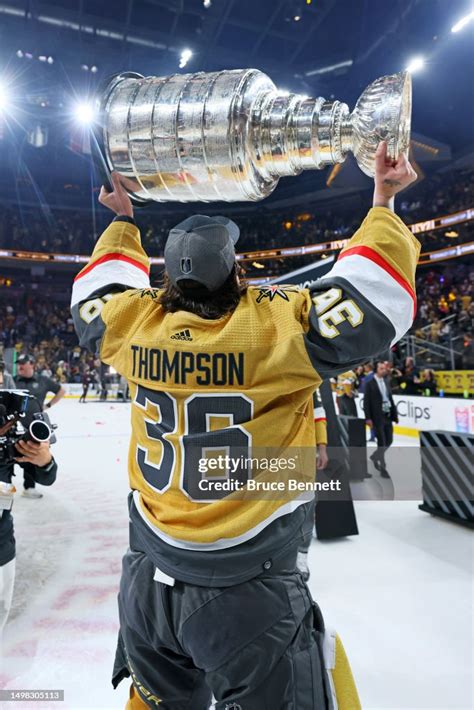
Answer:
(202, 249)
(24, 359)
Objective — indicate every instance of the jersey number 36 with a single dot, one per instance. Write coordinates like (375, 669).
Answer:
(199, 441)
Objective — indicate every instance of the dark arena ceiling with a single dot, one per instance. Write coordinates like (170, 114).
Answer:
(56, 51)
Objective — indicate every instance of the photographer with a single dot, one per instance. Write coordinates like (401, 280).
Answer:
(43, 469)
(38, 386)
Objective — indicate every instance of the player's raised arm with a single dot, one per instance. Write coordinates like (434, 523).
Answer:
(118, 263)
(367, 302)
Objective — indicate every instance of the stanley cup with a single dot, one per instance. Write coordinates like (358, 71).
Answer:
(231, 135)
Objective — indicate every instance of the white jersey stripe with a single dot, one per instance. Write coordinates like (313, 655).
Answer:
(378, 287)
(110, 272)
(222, 543)
(319, 413)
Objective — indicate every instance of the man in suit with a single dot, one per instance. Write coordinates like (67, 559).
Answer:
(380, 413)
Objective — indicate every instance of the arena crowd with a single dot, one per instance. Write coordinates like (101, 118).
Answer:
(74, 232)
(40, 322)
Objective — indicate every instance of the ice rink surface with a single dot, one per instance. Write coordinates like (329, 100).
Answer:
(399, 594)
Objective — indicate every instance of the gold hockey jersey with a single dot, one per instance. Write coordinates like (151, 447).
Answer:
(320, 421)
(239, 389)
(345, 384)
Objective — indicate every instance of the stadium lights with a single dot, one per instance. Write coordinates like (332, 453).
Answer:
(462, 22)
(4, 98)
(330, 68)
(186, 55)
(84, 113)
(44, 58)
(415, 64)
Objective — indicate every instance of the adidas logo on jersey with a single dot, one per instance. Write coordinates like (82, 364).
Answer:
(182, 335)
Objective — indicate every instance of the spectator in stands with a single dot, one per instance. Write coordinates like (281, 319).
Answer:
(424, 311)
(468, 352)
(409, 382)
(435, 330)
(61, 373)
(445, 333)
(394, 375)
(428, 386)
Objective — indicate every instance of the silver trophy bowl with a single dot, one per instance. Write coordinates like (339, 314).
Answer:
(230, 135)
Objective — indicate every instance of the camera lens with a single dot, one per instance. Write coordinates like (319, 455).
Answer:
(40, 431)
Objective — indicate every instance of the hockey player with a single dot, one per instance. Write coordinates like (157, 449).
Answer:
(346, 393)
(320, 431)
(321, 436)
(87, 379)
(210, 602)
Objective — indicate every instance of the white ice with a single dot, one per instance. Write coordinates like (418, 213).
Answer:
(399, 594)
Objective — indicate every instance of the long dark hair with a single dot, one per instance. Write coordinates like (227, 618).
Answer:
(194, 298)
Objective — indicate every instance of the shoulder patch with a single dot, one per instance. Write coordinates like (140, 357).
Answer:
(153, 293)
(274, 291)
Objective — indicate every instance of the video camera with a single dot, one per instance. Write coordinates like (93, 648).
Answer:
(20, 422)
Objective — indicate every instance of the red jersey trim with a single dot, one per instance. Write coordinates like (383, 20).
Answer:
(113, 257)
(374, 256)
